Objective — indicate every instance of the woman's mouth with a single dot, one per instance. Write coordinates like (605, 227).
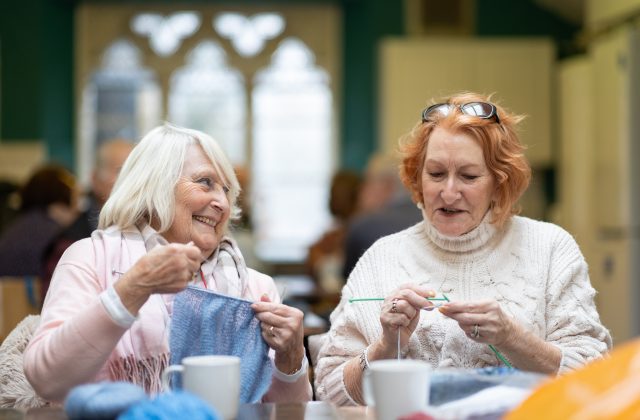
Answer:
(206, 221)
(447, 211)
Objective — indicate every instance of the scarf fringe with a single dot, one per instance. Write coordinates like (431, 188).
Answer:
(144, 372)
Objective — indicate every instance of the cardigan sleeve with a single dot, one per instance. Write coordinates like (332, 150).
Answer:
(573, 323)
(76, 335)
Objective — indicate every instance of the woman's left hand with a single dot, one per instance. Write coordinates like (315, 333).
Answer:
(283, 331)
(483, 321)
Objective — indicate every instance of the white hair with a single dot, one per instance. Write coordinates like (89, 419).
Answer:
(145, 188)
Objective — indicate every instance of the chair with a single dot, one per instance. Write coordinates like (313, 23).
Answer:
(313, 344)
(19, 297)
(15, 390)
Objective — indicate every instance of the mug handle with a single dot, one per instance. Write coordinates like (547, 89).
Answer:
(166, 375)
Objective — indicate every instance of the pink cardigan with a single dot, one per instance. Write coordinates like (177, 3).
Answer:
(77, 341)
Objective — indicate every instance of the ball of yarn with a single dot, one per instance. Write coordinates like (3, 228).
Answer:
(103, 400)
(171, 406)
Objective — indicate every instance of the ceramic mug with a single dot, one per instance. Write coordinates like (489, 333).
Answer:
(215, 379)
(396, 387)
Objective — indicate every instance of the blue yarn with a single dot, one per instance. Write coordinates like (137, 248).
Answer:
(171, 406)
(103, 400)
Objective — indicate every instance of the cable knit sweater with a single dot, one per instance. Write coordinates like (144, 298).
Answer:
(533, 269)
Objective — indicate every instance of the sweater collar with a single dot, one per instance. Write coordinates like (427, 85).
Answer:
(470, 241)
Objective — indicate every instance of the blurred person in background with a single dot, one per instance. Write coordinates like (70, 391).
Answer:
(8, 203)
(326, 256)
(384, 205)
(242, 229)
(109, 159)
(48, 204)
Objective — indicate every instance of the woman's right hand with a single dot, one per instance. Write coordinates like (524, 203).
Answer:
(401, 309)
(166, 269)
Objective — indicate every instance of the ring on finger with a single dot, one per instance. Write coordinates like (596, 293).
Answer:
(271, 333)
(476, 331)
(394, 306)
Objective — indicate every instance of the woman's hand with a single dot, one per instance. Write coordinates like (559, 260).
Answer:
(486, 322)
(166, 269)
(494, 326)
(401, 309)
(283, 331)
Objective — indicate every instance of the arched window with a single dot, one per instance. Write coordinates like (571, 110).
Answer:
(292, 151)
(122, 99)
(235, 73)
(208, 95)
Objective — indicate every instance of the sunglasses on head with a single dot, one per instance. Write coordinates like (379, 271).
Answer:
(484, 110)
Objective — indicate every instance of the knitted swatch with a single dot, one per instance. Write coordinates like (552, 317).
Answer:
(206, 323)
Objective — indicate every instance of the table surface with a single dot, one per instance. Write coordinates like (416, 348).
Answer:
(268, 411)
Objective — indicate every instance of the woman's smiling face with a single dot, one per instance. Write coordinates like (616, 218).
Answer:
(457, 186)
(202, 206)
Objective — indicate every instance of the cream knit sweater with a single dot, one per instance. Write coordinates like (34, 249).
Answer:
(533, 269)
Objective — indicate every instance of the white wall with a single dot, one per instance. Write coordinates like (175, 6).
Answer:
(599, 191)
(518, 71)
(601, 13)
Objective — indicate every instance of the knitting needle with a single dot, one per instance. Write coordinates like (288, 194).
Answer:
(443, 298)
(500, 356)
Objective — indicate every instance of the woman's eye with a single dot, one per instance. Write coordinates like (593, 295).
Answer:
(205, 181)
(470, 177)
(436, 174)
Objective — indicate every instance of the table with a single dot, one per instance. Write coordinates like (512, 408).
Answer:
(315, 410)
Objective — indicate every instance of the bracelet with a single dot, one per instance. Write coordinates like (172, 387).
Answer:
(364, 360)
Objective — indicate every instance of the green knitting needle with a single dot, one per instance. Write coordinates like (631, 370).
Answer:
(500, 356)
(369, 299)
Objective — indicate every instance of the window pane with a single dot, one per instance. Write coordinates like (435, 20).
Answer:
(208, 95)
(292, 134)
(122, 99)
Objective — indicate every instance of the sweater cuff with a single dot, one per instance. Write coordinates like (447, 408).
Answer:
(116, 310)
(293, 377)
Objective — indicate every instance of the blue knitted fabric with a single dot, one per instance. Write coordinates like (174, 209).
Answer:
(205, 323)
(104, 400)
(171, 406)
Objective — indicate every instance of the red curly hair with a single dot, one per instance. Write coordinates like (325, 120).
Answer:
(502, 149)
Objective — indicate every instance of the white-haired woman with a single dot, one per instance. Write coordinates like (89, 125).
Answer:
(104, 317)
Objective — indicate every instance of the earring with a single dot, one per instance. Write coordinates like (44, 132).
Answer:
(420, 205)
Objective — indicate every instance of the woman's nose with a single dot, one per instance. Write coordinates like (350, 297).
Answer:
(219, 200)
(450, 191)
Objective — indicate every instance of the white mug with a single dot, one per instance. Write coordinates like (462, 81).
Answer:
(215, 379)
(396, 387)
